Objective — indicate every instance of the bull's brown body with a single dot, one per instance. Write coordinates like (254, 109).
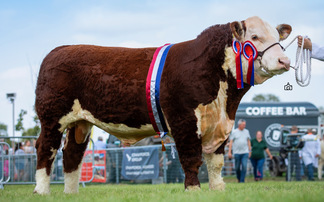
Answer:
(109, 83)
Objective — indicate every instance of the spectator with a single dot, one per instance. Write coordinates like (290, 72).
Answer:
(19, 161)
(295, 159)
(310, 153)
(240, 141)
(28, 149)
(100, 144)
(6, 165)
(321, 160)
(257, 157)
(317, 52)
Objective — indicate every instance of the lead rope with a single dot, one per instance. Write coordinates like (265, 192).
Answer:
(302, 57)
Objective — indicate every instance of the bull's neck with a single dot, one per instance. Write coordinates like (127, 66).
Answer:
(210, 54)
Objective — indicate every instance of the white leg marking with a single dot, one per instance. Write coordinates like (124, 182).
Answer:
(42, 182)
(215, 164)
(71, 181)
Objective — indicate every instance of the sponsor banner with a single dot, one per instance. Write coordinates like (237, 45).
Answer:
(99, 166)
(140, 163)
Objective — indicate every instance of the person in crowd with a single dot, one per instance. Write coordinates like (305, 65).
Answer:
(295, 157)
(100, 144)
(19, 161)
(28, 149)
(317, 52)
(310, 153)
(241, 145)
(257, 157)
(321, 160)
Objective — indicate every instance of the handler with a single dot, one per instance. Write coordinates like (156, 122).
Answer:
(317, 52)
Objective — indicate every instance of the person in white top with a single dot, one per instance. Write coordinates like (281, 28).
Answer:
(310, 153)
(100, 144)
(240, 140)
(317, 52)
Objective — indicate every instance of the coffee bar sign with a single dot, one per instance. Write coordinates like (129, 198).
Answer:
(276, 111)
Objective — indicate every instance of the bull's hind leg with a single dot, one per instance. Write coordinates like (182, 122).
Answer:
(47, 145)
(215, 163)
(76, 142)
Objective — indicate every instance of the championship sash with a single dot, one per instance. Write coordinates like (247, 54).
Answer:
(153, 90)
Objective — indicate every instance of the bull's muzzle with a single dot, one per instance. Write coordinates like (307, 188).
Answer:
(284, 63)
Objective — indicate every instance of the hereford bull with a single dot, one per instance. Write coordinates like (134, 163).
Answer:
(83, 85)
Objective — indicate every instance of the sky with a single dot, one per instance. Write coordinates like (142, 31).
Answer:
(29, 30)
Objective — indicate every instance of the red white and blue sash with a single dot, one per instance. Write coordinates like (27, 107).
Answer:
(153, 90)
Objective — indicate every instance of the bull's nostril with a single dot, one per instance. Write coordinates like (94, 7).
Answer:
(285, 62)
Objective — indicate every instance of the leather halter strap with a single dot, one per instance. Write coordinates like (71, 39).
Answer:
(260, 53)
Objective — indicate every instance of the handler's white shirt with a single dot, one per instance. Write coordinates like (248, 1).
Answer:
(317, 52)
(311, 148)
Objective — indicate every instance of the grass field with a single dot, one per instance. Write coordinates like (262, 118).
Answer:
(250, 191)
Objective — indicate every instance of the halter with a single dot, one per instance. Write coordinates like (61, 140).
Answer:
(260, 53)
(250, 53)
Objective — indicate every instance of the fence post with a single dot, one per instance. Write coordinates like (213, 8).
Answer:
(2, 181)
(117, 167)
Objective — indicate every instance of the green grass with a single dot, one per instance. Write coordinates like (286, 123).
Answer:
(250, 191)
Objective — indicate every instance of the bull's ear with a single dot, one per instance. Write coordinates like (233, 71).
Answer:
(238, 29)
(284, 31)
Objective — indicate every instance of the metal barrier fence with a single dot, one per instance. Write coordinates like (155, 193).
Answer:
(20, 169)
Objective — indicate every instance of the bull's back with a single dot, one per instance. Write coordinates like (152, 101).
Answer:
(109, 82)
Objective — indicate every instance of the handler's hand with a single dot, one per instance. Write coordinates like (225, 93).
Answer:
(307, 43)
(230, 156)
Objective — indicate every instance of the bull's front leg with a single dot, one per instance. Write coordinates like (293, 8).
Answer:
(190, 153)
(215, 163)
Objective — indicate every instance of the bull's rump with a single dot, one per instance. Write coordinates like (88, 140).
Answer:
(108, 82)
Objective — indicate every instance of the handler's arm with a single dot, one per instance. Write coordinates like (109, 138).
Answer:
(230, 149)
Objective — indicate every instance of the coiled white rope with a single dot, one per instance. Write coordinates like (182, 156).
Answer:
(303, 77)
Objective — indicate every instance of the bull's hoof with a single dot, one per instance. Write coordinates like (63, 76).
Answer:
(71, 190)
(219, 186)
(41, 191)
(193, 188)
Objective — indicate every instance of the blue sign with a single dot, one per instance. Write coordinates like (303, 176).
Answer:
(140, 163)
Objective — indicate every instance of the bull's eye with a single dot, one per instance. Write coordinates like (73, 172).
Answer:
(255, 37)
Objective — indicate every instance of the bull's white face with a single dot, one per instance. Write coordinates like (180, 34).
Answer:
(262, 35)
